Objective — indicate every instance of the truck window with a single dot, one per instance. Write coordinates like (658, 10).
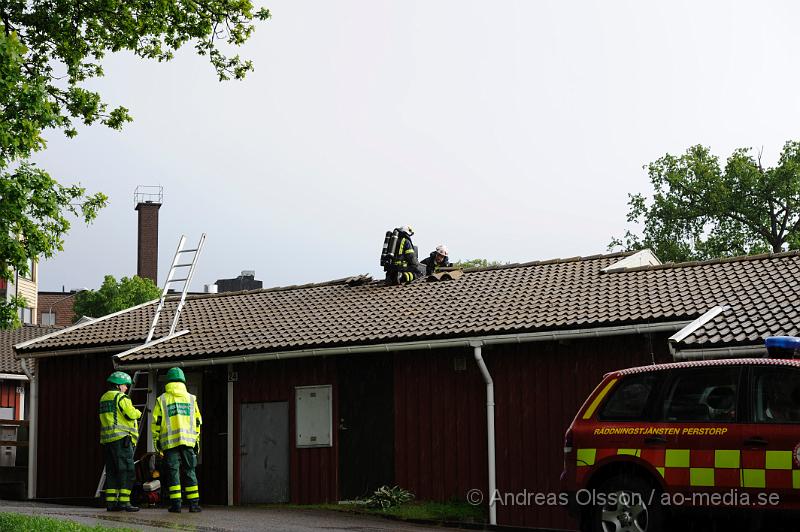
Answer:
(777, 395)
(703, 394)
(628, 401)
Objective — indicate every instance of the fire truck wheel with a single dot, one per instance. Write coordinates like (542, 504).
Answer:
(624, 503)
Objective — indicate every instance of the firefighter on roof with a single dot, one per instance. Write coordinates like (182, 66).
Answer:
(118, 434)
(399, 257)
(176, 433)
(437, 259)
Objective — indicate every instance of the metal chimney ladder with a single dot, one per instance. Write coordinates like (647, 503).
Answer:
(184, 258)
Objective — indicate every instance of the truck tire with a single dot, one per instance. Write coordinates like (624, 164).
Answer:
(624, 503)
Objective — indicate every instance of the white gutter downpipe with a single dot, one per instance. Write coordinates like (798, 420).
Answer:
(489, 432)
(32, 429)
(230, 436)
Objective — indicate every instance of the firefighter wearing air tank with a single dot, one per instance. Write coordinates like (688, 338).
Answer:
(176, 434)
(399, 258)
(118, 434)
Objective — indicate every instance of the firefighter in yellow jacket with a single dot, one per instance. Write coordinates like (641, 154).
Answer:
(118, 434)
(176, 433)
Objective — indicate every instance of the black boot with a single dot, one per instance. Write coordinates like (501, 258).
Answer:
(194, 506)
(175, 507)
(130, 508)
(113, 508)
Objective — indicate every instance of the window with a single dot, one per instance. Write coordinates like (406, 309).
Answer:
(628, 402)
(705, 394)
(26, 316)
(777, 395)
(48, 318)
(31, 272)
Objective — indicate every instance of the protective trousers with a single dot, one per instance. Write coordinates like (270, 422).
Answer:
(180, 463)
(120, 473)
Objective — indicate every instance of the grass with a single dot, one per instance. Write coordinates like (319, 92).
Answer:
(454, 511)
(26, 523)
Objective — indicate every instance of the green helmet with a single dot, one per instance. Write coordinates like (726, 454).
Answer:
(119, 377)
(176, 375)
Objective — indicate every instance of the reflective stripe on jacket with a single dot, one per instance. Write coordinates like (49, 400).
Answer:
(118, 417)
(176, 418)
(405, 254)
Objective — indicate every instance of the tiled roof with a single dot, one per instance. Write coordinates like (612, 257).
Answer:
(537, 296)
(8, 338)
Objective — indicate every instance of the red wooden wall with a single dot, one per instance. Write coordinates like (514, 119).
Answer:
(440, 424)
(313, 472)
(70, 459)
(440, 417)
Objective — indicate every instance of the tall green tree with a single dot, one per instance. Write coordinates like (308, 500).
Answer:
(49, 51)
(114, 296)
(702, 210)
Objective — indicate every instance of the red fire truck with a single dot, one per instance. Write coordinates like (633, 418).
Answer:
(648, 440)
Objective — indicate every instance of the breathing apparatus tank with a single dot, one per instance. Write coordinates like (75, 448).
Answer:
(389, 248)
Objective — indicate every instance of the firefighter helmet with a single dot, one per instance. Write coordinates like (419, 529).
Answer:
(119, 377)
(441, 249)
(407, 229)
(176, 375)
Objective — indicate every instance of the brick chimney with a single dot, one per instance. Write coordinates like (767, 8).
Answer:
(148, 202)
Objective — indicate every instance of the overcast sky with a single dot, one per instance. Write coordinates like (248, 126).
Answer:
(510, 131)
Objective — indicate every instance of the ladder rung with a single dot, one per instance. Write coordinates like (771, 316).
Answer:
(187, 251)
(141, 404)
(139, 389)
(182, 265)
(176, 280)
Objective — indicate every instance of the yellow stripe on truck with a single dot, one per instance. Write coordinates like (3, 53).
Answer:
(779, 460)
(586, 457)
(727, 458)
(592, 407)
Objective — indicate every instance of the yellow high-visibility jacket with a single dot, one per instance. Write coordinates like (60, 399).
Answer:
(176, 418)
(118, 417)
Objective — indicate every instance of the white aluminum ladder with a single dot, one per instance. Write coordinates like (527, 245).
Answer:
(174, 277)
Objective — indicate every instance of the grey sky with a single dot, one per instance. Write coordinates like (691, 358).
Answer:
(508, 130)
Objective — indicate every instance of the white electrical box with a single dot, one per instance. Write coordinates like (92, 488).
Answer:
(314, 416)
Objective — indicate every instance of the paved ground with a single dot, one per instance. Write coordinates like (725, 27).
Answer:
(216, 519)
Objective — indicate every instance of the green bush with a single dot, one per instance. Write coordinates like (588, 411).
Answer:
(386, 497)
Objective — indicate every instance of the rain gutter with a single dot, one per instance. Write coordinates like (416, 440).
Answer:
(106, 349)
(13, 377)
(409, 346)
(747, 351)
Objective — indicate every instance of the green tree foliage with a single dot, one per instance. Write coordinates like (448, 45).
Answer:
(701, 210)
(114, 296)
(477, 263)
(49, 52)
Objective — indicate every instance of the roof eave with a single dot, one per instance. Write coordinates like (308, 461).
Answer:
(103, 349)
(419, 345)
(708, 353)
